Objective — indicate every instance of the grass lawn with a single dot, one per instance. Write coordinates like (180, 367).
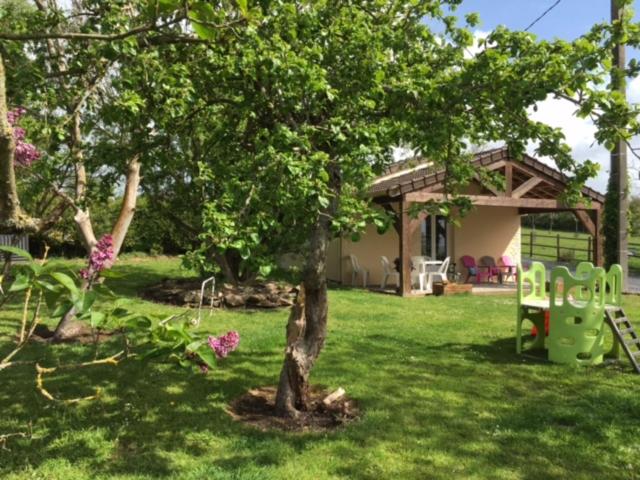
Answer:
(443, 392)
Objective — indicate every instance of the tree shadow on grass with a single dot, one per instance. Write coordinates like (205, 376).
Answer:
(146, 413)
(434, 410)
(470, 409)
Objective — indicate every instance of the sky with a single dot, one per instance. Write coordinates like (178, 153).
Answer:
(568, 20)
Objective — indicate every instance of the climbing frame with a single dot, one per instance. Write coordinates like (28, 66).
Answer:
(577, 306)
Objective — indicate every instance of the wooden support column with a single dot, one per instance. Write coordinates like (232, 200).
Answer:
(598, 247)
(405, 248)
(508, 176)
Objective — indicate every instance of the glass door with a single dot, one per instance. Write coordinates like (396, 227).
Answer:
(434, 237)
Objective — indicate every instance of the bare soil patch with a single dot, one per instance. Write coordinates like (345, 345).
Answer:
(257, 408)
(79, 332)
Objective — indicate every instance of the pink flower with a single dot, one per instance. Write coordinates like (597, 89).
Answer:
(25, 153)
(101, 257)
(224, 344)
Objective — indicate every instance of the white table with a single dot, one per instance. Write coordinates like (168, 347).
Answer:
(426, 264)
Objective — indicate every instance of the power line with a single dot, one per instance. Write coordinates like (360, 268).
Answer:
(544, 14)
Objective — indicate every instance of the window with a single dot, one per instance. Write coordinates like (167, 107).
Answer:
(434, 237)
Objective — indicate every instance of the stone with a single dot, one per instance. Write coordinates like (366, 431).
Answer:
(234, 300)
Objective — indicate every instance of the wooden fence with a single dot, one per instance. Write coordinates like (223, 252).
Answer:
(10, 240)
(562, 247)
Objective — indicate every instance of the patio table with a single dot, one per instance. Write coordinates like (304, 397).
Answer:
(426, 264)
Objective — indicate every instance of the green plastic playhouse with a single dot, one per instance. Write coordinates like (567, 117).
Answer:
(576, 307)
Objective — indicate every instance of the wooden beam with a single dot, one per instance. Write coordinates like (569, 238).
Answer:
(586, 221)
(405, 249)
(495, 166)
(526, 187)
(498, 201)
(508, 177)
(491, 188)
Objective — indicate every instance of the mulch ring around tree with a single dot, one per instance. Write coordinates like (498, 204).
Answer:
(257, 408)
(78, 332)
(186, 293)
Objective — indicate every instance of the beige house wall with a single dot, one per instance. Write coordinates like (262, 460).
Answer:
(493, 231)
(368, 250)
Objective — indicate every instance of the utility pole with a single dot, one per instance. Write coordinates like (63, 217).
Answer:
(618, 174)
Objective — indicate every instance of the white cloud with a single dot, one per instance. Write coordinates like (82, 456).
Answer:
(580, 136)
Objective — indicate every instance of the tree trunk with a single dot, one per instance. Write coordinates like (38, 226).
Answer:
(12, 218)
(128, 208)
(307, 327)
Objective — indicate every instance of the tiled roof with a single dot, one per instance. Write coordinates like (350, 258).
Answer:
(415, 179)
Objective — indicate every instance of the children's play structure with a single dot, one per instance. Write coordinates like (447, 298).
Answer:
(577, 308)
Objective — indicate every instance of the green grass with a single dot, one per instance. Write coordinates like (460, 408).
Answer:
(443, 393)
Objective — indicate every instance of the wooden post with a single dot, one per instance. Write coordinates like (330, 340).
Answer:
(508, 177)
(531, 234)
(589, 252)
(557, 247)
(405, 249)
(597, 240)
(618, 172)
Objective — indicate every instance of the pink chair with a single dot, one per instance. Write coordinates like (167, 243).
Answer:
(509, 268)
(489, 263)
(474, 270)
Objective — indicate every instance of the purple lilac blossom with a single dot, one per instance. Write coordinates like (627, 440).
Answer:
(224, 344)
(101, 257)
(25, 153)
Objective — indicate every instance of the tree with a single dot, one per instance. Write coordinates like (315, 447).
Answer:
(99, 77)
(322, 90)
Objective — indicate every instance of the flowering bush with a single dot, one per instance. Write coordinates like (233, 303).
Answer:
(26, 153)
(101, 257)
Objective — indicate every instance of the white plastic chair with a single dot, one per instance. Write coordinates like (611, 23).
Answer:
(356, 270)
(439, 275)
(388, 271)
(418, 274)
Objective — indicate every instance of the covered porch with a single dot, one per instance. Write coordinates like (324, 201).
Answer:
(493, 227)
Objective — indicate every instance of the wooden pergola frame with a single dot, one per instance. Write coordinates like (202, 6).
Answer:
(530, 186)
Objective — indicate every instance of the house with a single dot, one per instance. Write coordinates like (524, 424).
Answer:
(491, 228)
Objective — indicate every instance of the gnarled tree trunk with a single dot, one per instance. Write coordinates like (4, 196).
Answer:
(12, 218)
(307, 327)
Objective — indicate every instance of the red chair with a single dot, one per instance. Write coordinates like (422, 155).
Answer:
(474, 270)
(509, 268)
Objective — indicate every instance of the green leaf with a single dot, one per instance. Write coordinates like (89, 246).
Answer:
(85, 301)
(97, 319)
(22, 282)
(16, 251)
(242, 5)
(138, 322)
(62, 309)
(66, 281)
(104, 291)
(207, 356)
